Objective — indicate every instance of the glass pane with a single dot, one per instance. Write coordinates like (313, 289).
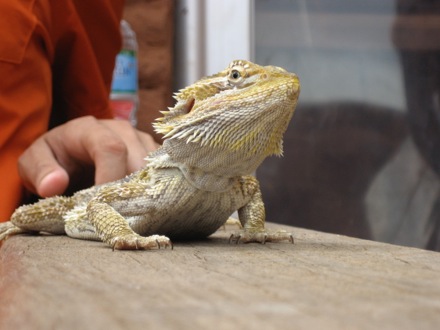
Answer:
(362, 154)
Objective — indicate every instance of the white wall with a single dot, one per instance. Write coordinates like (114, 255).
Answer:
(209, 35)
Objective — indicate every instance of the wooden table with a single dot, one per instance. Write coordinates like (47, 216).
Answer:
(323, 281)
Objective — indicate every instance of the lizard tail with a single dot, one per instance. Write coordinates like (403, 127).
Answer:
(8, 229)
(44, 216)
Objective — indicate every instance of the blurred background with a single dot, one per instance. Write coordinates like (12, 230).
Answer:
(362, 154)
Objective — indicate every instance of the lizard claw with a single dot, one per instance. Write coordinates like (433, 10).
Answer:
(236, 237)
(164, 243)
(137, 242)
(260, 237)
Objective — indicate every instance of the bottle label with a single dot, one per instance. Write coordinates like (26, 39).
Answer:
(125, 78)
(123, 109)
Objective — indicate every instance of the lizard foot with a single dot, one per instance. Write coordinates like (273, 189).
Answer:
(262, 237)
(137, 242)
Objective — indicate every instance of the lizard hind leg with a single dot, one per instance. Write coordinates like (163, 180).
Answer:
(77, 224)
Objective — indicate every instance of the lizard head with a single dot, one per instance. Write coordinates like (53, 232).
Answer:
(243, 110)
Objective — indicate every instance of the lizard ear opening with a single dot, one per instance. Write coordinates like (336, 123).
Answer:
(189, 105)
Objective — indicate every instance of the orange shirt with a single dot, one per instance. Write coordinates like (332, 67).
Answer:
(56, 60)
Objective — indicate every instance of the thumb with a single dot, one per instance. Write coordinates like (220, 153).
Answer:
(40, 171)
(53, 183)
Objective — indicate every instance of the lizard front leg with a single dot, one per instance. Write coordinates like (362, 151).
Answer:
(253, 216)
(111, 226)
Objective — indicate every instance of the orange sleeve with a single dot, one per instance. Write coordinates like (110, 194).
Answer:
(55, 59)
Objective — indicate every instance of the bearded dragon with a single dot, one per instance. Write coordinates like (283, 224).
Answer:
(219, 131)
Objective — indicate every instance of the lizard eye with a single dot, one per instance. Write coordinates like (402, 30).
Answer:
(236, 76)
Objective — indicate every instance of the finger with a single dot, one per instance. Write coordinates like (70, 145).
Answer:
(107, 151)
(54, 183)
(148, 142)
(81, 143)
(40, 171)
(112, 147)
(139, 144)
(142, 144)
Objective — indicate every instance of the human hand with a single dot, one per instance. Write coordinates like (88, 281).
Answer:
(67, 154)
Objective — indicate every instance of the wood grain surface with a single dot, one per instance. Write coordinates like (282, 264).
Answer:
(322, 281)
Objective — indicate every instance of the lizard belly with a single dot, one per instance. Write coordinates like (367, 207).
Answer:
(196, 214)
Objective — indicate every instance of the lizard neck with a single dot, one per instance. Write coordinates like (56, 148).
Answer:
(205, 168)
